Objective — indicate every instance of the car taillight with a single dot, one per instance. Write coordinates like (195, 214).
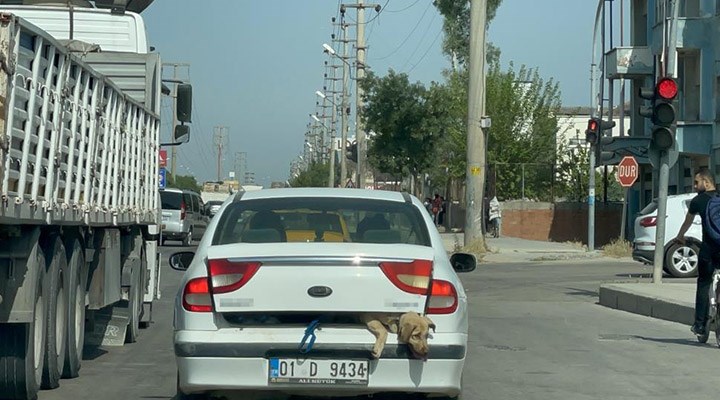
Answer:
(648, 222)
(196, 295)
(227, 276)
(182, 210)
(443, 298)
(411, 277)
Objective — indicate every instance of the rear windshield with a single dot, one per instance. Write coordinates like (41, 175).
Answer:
(171, 200)
(321, 220)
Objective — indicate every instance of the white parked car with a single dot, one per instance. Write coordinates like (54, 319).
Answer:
(275, 297)
(680, 260)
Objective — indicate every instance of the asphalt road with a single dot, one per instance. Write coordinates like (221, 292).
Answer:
(536, 333)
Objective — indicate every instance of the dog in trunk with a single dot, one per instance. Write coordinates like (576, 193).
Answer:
(411, 328)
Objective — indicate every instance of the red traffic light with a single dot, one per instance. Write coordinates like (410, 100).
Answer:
(592, 125)
(667, 88)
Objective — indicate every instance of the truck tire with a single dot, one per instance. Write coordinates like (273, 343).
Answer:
(76, 288)
(57, 312)
(22, 345)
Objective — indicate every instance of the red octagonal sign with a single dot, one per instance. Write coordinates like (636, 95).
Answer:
(628, 171)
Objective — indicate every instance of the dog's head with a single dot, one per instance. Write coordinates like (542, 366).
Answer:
(413, 329)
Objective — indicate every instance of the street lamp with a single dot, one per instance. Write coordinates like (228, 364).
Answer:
(329, 49)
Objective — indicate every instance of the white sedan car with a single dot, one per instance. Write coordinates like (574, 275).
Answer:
(275, 297)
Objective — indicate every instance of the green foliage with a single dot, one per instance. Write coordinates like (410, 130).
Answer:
(572, 176)
(404, 121)
(449, 101)
(184, 182)
(456, 27)
(315, 176)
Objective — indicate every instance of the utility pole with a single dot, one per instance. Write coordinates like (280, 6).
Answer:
(344, 105)
(240, 165)
(220, 138)
(359, 75)
(475, 182)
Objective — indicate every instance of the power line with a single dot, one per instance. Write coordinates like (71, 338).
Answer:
(426, 52)
(408, 36)
(406, 8)
(419, 43)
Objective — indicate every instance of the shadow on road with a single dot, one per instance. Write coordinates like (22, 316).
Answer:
(581, 292)
(686, 342)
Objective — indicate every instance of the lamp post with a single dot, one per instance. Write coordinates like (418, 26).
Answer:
(331, 174)
(344, 110)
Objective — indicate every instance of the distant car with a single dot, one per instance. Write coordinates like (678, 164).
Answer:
(183, 216)
(212, 207)
(269, 307)
(680, 260)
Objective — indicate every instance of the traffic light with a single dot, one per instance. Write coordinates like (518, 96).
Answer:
(351, 152)
(596, 129)
(592, 133)
(661, 112)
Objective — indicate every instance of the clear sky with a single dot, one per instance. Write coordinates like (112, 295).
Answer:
(255, 65)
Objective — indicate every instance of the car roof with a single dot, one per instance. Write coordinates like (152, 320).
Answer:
(324, 192)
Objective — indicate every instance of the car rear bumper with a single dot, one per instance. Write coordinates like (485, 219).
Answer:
(644, 256)
(207, 374)
(230, 365)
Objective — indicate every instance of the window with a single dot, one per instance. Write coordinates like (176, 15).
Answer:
(171, 200)
(689, 85)
(321, 220)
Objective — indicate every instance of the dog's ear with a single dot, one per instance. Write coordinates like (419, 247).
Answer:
(431, 324)
(405, 330)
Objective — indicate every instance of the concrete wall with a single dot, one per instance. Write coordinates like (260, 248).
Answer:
(560, 222)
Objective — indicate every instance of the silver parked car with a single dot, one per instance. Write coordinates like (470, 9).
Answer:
(183, 216)
(286, 289)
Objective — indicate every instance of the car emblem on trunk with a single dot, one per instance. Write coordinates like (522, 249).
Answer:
(319, 291)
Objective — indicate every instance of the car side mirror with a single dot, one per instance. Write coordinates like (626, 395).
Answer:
(463, 262)
(181, 261)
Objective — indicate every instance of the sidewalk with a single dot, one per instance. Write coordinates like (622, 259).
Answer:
(508, 249)
(671, 301)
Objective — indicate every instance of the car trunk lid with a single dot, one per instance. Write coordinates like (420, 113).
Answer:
(319, 277)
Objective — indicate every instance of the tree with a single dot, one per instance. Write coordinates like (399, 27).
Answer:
(456, 26)
(405, 127)
(184, 182)
(524, 128)
(523, 108)
(315, 176)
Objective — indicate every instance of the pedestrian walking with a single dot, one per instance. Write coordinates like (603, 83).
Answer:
(709, 257)
(495, 216)
(436, 205)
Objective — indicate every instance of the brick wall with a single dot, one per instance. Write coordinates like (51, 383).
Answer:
(560, 222)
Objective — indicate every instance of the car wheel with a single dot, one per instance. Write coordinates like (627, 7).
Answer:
(681, 260)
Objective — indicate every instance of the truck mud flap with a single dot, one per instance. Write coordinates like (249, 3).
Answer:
(107, 327)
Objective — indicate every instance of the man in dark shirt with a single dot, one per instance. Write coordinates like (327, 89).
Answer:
(709, 257)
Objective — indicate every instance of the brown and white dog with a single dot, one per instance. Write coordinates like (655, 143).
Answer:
(411, 328)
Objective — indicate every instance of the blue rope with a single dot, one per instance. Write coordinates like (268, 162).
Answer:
(309, 333)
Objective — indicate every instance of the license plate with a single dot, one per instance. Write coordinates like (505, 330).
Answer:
(318, 372)
(165, 218)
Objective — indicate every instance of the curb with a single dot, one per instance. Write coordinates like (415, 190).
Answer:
(620, 298)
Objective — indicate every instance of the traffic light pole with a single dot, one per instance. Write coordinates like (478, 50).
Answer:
(661, 214)
(591, 200)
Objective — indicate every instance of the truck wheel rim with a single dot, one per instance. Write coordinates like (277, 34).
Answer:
(60, 319)
(79, 319)
(39, 331)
